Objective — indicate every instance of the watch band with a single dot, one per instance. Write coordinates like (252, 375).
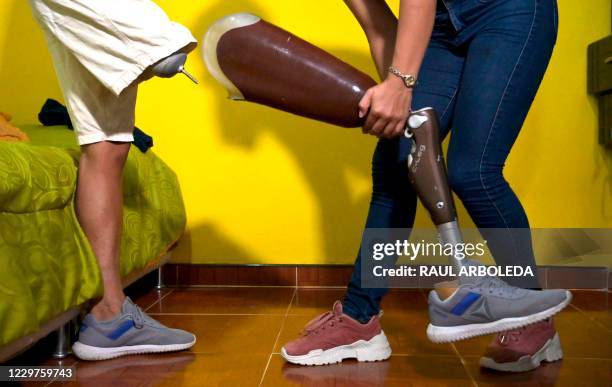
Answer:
(409, 80)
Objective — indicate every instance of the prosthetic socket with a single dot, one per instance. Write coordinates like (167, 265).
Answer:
(259, 62)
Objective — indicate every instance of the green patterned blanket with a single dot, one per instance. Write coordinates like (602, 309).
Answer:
(46, 263)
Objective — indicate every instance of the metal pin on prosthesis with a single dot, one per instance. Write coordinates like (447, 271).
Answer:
(193, 79)
(172, 65)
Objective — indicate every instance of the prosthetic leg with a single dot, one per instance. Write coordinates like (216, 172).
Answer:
(259, 62)
(427, 173)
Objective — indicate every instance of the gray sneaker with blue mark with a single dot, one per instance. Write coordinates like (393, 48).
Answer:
(132, 332)
(489, 305)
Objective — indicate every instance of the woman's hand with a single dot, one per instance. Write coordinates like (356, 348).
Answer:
(387, 107)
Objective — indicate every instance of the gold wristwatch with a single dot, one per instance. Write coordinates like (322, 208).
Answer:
(409, 80)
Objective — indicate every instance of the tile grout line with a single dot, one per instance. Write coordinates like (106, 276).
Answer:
(464, 364)
(159, 300)
(217, 314)
(594, 321)
(65, 381)
(204, 286)
(280, 330)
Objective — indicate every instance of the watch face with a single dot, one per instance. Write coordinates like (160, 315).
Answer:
(409, 81)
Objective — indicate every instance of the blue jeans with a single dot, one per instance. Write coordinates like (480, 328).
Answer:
(481, 72)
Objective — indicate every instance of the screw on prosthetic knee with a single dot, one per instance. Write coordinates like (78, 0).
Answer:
(172, 65)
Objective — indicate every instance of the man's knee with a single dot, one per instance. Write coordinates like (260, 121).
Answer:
(108, 154)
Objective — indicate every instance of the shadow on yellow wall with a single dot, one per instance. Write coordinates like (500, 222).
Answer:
(324, 155)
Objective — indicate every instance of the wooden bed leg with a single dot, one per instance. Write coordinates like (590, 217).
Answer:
(63, 348)
(160, 279)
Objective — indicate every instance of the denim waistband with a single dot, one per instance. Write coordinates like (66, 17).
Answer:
(463, 14)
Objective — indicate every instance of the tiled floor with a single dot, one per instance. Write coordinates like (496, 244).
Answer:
(241, 329)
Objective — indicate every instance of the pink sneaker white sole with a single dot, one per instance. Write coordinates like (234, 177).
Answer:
(550, 352)
(375, 349)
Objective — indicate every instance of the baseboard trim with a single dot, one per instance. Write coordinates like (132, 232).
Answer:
(178, 275)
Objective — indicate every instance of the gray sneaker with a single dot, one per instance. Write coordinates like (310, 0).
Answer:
(489, 305)
(130, 333)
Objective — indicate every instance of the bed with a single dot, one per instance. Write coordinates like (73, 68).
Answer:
(47, 268)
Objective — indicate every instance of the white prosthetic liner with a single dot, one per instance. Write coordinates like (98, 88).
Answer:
(211, 43)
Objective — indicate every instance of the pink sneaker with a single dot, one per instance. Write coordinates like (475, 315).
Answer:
(334, 336)
(523, 349)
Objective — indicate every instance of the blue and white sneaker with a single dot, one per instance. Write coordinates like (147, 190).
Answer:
(489, 305)
(130, 333)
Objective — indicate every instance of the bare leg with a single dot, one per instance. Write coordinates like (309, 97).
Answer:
(99, 209)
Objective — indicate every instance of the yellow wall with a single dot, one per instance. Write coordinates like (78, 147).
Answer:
(264, 187)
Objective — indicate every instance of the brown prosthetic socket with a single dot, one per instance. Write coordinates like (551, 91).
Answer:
(259, 62)
(426, 167)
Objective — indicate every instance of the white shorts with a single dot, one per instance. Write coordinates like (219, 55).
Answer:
(99, 48)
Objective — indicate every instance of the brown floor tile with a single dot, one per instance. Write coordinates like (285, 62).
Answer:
(175, 369)
(50, 362)
(407, 335)
(592, 300)
(596, 305)
(240, 369)
(223, 335)
(147, 300)
(580, 337)
(405, 301)
(142, 369)
(405, 321)
(569, 372)
(397, 371)
(314, 301)
(244, 300)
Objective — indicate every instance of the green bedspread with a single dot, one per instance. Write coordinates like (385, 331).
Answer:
(46, 263)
